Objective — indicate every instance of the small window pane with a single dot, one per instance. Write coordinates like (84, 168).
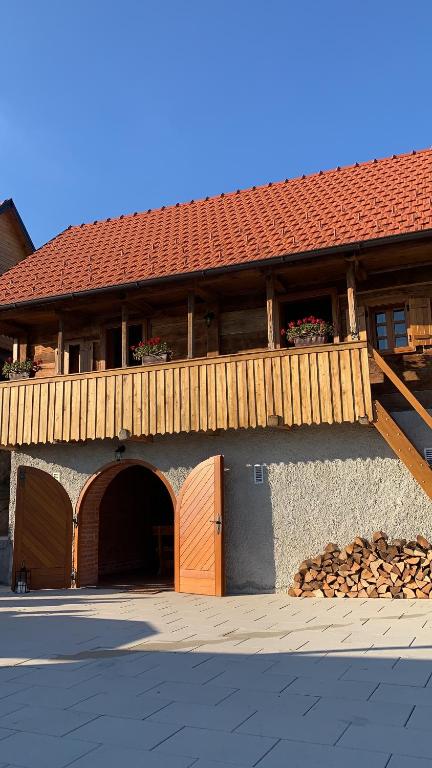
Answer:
(401, 341)
(382, 344)
(382, 330)
(400, 328)
(380, 317)
(398, 314)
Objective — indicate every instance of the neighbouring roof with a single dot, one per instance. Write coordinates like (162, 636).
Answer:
(9, 205)
(365, 201)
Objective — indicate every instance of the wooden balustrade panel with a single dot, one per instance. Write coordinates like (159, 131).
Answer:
(306, 386)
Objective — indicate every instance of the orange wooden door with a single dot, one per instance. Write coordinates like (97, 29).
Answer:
(43, 529)
(199, 531)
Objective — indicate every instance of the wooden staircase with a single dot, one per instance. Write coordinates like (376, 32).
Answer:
(395, 436)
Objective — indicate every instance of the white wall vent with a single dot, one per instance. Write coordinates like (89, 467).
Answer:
(428, 455)
(258, 474)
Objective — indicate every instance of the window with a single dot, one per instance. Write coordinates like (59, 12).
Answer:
(135, 333)
(79, 356)
(390, 329)
(114, 345)
(74, 358)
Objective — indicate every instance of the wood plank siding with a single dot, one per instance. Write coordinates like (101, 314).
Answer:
(312, 385)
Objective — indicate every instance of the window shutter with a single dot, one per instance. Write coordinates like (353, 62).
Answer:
(419, 321)
(86, 356)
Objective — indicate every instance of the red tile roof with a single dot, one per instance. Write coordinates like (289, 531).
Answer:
(333, 208)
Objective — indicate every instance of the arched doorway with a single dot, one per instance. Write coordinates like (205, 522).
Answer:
(126, 527)
(43, 530)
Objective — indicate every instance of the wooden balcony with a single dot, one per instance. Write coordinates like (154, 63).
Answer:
(311, 385)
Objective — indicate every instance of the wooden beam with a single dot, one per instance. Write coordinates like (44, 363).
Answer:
(15, 349)
(60, 347)
(124, 335)
(403, 448)
(352, 302)
(102, 348)
(23, 349)
(273, 330)
(190, 326)
(213, 330)
(403, 389)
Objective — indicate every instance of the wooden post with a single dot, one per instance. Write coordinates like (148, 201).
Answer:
(102, 348)
(22, 349)
(190, 326)
(352, 302)
(124, 335)
(272, 315)
(60, 347)
(15, 349)
(213, 330)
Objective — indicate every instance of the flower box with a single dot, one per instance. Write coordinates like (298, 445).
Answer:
(153, 359)
(14, 376)
(152, 351)
(308, 331)
(20, 369)
(309, 341)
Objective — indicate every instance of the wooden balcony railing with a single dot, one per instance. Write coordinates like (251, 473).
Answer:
(311, 385)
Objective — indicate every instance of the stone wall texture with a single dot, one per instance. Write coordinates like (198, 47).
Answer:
(321, 484)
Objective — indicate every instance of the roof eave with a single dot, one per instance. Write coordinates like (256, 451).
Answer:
(342, 250)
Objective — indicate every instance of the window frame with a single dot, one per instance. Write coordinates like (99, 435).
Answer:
(389, 324)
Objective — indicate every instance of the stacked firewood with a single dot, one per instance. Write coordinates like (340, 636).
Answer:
(376, 568)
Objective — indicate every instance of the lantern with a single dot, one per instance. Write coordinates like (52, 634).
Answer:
(22, 580)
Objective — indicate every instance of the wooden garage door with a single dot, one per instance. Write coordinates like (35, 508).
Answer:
(199, 531)
(43, 529)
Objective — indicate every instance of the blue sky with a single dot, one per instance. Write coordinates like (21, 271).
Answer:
(112, 107)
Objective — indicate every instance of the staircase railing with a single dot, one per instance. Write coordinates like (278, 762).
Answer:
(403, 389)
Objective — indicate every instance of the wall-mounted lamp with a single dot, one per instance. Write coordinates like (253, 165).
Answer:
(119, 452)
(208, 318)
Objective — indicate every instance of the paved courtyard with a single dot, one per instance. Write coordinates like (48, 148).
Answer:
(102, 679)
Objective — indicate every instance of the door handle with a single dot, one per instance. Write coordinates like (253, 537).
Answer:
(218, 524)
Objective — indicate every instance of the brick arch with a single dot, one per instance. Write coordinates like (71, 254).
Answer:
(86, 538)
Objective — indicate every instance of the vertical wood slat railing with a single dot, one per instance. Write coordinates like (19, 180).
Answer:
(313, 385)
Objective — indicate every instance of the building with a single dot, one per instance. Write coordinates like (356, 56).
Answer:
(229, 463)
(15, 245)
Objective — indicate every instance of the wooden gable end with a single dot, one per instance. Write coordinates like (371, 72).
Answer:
(13, 246)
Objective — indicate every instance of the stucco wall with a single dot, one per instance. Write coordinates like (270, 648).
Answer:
(321, 484)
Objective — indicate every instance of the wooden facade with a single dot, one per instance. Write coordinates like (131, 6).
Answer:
(230, 367)
(278, 387)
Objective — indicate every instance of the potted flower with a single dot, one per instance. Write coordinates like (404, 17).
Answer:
(308, 331)
(20, 369)
(151, 351)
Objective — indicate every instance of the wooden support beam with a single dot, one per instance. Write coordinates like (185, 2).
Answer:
(273, 330)
(190, 325)
(60, 348)
(124, 336)
(102, 349)
(15, 349)
(352, 302)
(403, 448)
(23, 349)
(212, 329)
(401, 386)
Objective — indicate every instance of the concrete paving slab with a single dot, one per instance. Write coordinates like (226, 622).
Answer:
(231, 748)
(114, 757)
(124, 732)
(47, 720)
(211, 669)
(291, 754)
(31, 750)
